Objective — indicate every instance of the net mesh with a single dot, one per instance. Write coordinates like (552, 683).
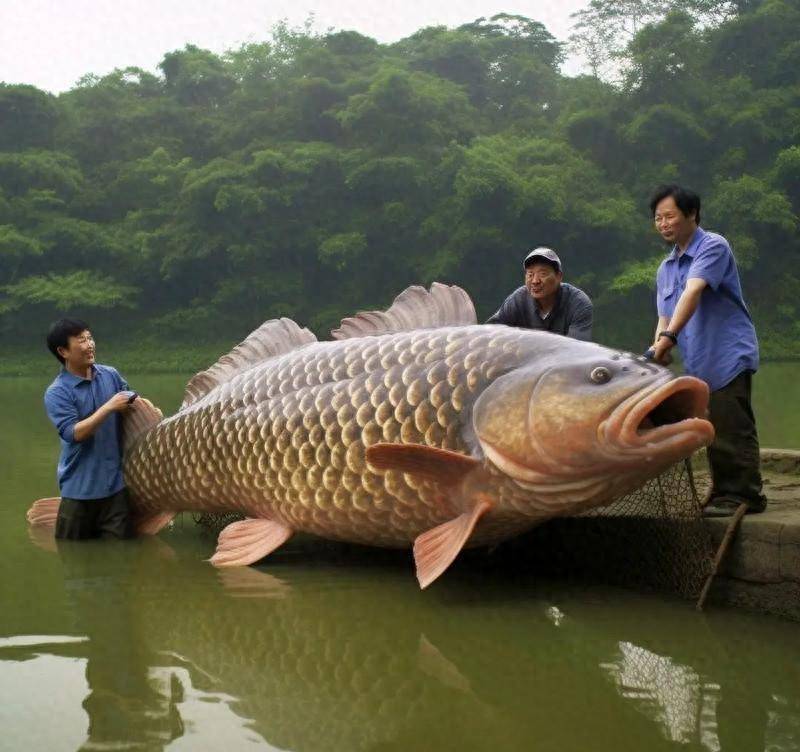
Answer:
(651, 539)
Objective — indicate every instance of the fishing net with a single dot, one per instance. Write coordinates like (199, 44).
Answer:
(651, 539)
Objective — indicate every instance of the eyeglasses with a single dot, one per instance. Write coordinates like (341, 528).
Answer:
(659, 218)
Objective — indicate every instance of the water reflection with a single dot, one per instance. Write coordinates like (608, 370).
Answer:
(349, 655)
(130, 703)
(728, 703)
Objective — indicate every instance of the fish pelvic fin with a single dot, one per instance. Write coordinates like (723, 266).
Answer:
(44, 512)
(273, 337)
(150, 524)
(436, 549)
(138, 419)
(246, 541)
(441, 466)
(414, 308)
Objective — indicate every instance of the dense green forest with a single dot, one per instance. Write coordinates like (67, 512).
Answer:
(311, 175)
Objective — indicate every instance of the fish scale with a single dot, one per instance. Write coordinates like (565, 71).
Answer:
(286, 439)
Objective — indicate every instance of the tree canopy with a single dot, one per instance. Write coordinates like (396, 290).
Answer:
(310, 175)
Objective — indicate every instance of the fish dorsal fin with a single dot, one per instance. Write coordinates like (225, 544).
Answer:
(414, 308)
(140, 417)
(273, 337)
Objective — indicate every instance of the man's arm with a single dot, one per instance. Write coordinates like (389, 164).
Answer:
(85, 428)
(708, 269)
(63, 414)
(508, 313)
(580, 325)
(685, 308)
(663, 323)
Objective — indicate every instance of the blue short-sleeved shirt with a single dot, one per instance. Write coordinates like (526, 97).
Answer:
(719, 341)
(89, 469)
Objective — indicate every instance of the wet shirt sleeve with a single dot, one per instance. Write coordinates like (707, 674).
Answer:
(63, 412)
(711, 263)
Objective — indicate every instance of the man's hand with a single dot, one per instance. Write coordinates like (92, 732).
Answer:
(661, 349)
(119, 403)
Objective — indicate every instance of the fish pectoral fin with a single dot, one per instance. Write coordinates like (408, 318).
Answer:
(150, 524)
(436, 549)
(44, 512)
(430, 463)
(247, 541)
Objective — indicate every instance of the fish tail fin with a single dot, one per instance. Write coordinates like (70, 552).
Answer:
(138, 419)
(436, 549)
(44, 512)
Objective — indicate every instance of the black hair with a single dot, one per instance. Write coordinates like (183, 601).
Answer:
(61, 331)
(687, 201)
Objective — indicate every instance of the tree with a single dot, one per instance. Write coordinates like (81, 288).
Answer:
(197, 77)
(28, 118)
(402, 111)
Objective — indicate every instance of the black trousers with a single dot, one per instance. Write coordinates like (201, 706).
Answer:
(734, 456)
(94, 518)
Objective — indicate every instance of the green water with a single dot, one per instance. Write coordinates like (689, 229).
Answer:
(143, 645)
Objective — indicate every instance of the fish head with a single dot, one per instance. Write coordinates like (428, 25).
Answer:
(590, 418)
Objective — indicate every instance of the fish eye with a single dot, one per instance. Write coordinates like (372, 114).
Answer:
(600, 375)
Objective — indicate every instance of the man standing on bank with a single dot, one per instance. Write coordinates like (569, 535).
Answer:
(545, 301)
(84, 403)
(701, 309)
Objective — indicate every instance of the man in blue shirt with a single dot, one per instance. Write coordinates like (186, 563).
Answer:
(84, 403)
(701, 309)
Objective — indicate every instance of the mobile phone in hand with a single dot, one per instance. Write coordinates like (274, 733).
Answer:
(133, 396)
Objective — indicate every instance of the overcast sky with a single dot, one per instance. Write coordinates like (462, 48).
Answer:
(52, 43)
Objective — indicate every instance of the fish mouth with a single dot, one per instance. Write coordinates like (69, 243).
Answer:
(667, 418)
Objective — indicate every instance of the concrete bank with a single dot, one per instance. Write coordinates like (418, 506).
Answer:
(762, 569)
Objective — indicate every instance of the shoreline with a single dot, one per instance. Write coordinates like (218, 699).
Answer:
(138, 358)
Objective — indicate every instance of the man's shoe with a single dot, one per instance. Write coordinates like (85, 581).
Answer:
(724, 506)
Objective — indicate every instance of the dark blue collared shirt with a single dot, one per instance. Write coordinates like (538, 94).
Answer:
(571, 315)
(719, 341)
(89, 469)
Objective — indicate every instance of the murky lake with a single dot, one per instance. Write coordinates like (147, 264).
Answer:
(143, 645)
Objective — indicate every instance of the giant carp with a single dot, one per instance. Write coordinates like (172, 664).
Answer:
(413, 426)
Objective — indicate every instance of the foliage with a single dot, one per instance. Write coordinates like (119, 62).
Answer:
(311, 175)
(67, 292)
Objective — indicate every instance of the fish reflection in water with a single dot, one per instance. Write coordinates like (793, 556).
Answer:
(338, 659)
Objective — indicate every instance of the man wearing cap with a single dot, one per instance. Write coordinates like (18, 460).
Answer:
(545, 302)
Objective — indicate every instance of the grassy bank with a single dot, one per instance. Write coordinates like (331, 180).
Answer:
(127, 357)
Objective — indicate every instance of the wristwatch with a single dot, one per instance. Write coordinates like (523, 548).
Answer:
(669, 335)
